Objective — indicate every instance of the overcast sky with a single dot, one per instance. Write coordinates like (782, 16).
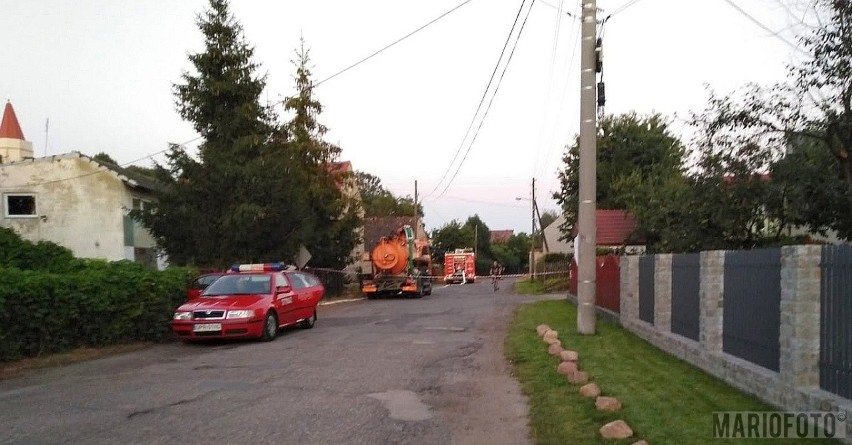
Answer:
(102, 70)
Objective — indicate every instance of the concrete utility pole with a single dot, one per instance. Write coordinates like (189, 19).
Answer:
(532, 234)
(586, 272)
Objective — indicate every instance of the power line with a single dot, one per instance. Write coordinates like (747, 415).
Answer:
(488, 108)
(563, 100)
(547, 97)
(33, 184)
(621, 8)
(474, 201)
(481, 100)
(764, 27)
(390, 45)
(559, 9)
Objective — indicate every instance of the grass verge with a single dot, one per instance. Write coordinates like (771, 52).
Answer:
(540, 286)
(666, 400)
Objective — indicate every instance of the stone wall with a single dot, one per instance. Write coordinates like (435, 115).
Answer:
(796, 386)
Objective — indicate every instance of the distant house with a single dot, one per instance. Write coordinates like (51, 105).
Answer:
(501, 236)
(348, 185)
(614, 229)
(72, 200)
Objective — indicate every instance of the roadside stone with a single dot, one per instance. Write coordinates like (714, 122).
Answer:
(617, 429)
(641, 442)
(554, 349)
(590, 390)
(542, 329)
(578, 378)
(566, 368)
(551, 340)
(569, 356)
(552, 334)
(609, 404)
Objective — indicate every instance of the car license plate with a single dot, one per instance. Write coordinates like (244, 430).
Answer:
(207, 327)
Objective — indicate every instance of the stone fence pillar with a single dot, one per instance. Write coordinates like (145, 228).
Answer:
(629, 269)
(712, 294)
(800, 315)
(663, 292)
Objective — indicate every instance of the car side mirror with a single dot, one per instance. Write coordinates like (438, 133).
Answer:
(283, 289)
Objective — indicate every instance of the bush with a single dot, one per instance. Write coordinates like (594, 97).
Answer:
(26, 255)
(95, 303)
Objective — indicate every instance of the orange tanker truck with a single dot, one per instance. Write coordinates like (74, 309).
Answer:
(400, 266)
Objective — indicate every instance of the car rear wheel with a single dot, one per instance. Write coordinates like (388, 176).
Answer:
(309, 322)
(270, 327)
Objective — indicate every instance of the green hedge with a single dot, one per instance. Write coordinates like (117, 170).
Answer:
(95, 303)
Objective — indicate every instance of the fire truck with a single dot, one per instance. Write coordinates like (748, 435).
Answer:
(460, 266)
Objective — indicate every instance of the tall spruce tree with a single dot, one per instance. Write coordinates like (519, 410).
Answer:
(334, 216)
(241, 201)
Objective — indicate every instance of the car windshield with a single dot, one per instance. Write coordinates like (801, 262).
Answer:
(242, 284)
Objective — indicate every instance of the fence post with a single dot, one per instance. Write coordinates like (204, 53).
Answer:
(663, 292)
(629, 277)
(800, 315)
(712, 294)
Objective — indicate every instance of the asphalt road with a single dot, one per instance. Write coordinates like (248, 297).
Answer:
(391, 371)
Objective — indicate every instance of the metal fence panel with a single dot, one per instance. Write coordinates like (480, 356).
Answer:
(609, 283)
(333, 281)
(752, 306)
(646, 288)
(686, 287)
(835, 358)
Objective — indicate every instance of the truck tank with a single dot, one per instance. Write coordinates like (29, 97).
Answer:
(390, 256)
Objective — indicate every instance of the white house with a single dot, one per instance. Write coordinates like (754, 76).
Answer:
(613, 230)
(72, 200)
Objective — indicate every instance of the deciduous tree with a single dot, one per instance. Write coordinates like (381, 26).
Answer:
(626, 144)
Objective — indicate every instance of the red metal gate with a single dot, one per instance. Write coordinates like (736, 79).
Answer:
(608, 291)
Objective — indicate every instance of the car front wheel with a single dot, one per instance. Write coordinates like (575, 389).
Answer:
(270, 327)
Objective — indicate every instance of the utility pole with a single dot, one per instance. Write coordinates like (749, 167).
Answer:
(532, 234)
(541, 228)
(586, 282)
(416, 211)
(475, 238)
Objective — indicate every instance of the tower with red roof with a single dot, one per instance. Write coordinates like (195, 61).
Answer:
(13, 146)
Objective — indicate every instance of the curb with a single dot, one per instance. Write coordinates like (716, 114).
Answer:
(329, 303)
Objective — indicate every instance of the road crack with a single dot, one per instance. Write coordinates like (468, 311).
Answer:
(164, 407)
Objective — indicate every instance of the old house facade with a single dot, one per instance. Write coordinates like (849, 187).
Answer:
(72, 200)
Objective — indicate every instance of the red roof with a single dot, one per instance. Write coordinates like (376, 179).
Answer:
(10, 128)
(613, 227)
(339, 167)
(501, 236)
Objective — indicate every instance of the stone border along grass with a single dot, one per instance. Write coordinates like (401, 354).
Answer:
(663, 400)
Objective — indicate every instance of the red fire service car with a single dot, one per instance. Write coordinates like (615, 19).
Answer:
(251, 300)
